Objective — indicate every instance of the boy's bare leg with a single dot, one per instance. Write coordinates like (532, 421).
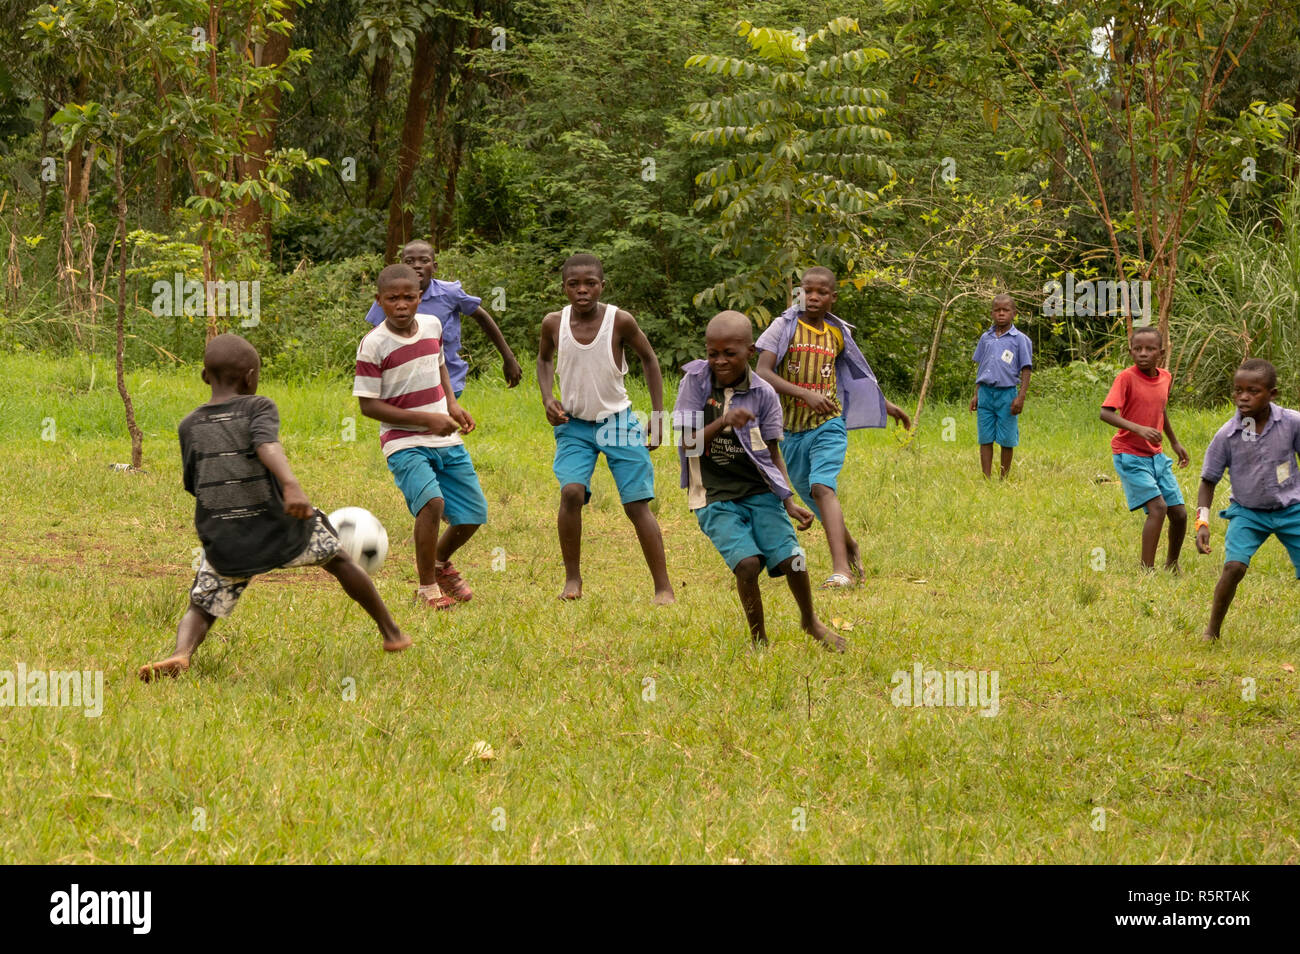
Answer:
(358, 585)
(855, 555)
(837, 534)
(751, 600)
(193, 628)
(426, 540)
(569, 522)
(1006, 459)
(986, 459)
(1224, 591)
(1177, 530)
(1156, 511)
(455, 537)
(652, 547)
(801, 588)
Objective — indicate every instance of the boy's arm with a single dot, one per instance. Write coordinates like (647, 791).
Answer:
(820, 403)
(803, 517)
(1111, 416)
(898, 414)
(555, 413)
(273, 458)
(1204, 500)
(509, 366)
(1183, 457)
(381, 410)
(454, 410)
(630, 333)
(1018, 403)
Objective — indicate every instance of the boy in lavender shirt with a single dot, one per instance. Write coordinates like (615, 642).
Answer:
(730, 420)
(1259, 446)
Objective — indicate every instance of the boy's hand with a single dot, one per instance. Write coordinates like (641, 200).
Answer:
(737, 417)
(462, 419)
(444, 425)
(1203, 540)
(898, 414)
(654, 432)
(975, 403)
(803, 518)
(514, 374)
(817, 402)
(555, 412)
(1018, 404)
(296, 503)
(1184, 458)
(1148, 434)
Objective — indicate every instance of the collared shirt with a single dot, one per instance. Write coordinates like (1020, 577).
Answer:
(855, 385)
(756, 396)
(448, 302)
(1001, 357)
(1263, 464)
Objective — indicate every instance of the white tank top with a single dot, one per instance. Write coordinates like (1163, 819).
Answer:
(591, 384)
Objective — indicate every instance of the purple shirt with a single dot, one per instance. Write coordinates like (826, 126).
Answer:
(448, 301)
(1263, 464)
(754, 395)
(1001, 358)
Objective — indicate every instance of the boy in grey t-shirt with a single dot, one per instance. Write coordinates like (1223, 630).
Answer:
(250, 512)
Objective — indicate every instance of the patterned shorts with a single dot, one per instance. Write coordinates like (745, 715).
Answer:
(217, 594)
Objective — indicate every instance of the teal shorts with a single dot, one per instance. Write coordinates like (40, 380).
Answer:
(1248, 529)
(579, 444)
(816, 456)
(1146, 478)
(997, 425)
(756, 525)
(423, 473)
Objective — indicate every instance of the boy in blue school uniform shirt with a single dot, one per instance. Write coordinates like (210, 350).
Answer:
(1259, 446)
(730, 421)
(1005, 357)
(449, 302)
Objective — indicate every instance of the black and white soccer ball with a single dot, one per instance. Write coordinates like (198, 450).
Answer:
(362, 536)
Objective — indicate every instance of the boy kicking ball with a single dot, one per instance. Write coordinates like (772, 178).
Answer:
(250, 512)
(730, 420)
(1258, 446)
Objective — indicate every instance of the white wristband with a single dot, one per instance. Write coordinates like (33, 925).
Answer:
(1203, 513)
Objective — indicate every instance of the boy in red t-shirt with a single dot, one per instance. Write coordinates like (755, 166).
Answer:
(1136, 405)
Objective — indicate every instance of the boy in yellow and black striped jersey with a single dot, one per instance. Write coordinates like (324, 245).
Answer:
(809, 357)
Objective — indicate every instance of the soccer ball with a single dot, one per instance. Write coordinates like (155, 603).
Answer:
(362, 536)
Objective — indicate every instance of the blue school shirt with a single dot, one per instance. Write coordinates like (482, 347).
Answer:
(759, 398)
(1263, 464)
(448, 301)
(1000, 359)
(855, 385)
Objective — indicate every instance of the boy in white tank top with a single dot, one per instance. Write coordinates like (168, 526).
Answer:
(594, 416)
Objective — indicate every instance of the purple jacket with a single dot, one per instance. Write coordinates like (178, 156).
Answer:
(754, 395)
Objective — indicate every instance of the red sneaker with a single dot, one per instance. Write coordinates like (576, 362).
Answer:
(452, 583)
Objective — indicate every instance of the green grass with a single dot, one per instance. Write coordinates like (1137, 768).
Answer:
(1107, 699)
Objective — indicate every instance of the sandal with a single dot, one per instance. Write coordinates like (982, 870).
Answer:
(837, 581)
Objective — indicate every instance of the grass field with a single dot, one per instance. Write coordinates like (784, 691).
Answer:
(623, 732)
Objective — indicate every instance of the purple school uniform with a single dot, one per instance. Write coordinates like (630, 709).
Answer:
(1263, 464)
(448, 301)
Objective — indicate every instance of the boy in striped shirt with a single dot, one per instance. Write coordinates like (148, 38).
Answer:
(827, 388)
(402, 382)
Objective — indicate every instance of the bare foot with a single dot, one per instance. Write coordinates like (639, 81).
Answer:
(1173, 568)
(664, 597)
(171, 666)
(572, 590)
(1209, 637)
(855, 562)
(759, 641)
(826, 636)
(397, 645)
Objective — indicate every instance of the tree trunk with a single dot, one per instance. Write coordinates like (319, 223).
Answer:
(929, 362)
(137, 438)
(400, 220)
(379, 78)
(252, 217)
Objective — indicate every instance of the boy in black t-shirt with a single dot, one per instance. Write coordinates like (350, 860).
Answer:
(250, 512)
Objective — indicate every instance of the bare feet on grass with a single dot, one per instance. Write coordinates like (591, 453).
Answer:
(826, 636)
(171, 666)
(572, 590)
(397, 643)
(664, 597)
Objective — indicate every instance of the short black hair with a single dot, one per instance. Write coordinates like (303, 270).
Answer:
(1260, 366)
(396, 273)
(582, 260)
(1146, 330)
(227, 358)
(822, 272)
(1005, 296)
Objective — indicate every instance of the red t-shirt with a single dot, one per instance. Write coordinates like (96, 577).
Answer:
(1140, 399)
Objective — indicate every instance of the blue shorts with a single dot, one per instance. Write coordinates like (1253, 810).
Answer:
(997, 425)
(1248, 529)
(1145, 478)
(815, 457)
(579, 443)
(424, 473)
(756, 525)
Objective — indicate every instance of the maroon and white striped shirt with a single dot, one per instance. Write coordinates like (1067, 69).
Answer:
(406, 373)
